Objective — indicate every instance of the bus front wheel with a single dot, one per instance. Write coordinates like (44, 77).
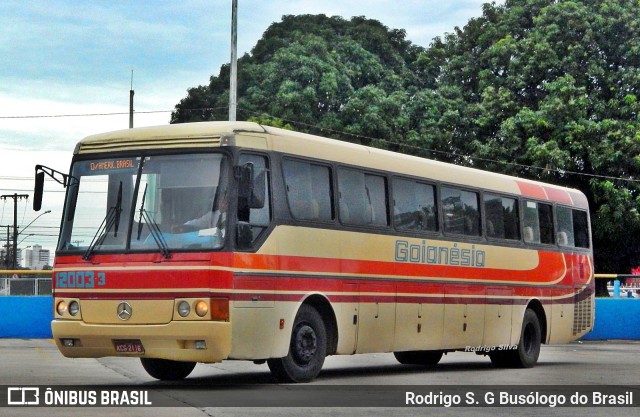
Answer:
(528, 349)
(167, 370)
(307, 349)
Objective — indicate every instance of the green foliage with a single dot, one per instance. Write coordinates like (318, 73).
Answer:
(549, 86)
(267, 120)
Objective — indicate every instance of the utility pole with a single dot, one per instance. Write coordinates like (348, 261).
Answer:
(131, 103)
(15, 197)
(233, 83)
(5, 260)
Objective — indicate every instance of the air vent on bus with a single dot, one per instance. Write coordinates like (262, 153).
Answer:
(151, 143)
(582, 313)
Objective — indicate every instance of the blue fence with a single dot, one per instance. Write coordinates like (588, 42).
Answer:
(26, 317)
(30, 317)
(616, 318)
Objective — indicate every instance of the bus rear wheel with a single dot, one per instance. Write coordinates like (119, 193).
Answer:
(528, 349)
(307, 349)
(167, 370)
(419, 357)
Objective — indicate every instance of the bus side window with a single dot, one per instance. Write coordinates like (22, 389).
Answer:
(461, 211)
(363, 198)
(580, 229)
(308, 188)
(502, 217)
(531, 224)
(252, 222)
(545, 212)
(414, 206)
(377, 196)
(538, 223)
(565, 226)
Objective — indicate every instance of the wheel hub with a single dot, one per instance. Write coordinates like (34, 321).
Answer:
(306, 343)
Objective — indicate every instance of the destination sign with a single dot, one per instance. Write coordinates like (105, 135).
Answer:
(114, 164)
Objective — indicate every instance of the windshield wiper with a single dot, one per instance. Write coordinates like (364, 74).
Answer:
(111, 219)
(140, 224)
(156, 233)
(153, 227)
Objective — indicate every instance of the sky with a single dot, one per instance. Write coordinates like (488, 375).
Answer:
(66, 71)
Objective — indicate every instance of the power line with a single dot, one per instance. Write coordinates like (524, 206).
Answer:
(406, 145)
(51, 116)
(354, 135)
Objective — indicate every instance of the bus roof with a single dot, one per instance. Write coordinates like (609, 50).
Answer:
(253, 135)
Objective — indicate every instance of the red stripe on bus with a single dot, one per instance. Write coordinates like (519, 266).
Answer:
(531, 190)
(552, 266)
(560, 196)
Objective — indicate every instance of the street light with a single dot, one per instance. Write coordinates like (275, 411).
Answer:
(40, 215)
(26, 237)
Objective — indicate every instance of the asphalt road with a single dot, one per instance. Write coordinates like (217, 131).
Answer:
(600, 364)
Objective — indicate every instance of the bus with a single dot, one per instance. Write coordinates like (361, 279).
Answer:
(210, 241)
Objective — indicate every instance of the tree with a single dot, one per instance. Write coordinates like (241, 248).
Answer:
(549, 91)
(542, 89)
(314, 70)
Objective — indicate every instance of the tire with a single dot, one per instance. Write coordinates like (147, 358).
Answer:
(307, 349)
(419, 357)
(528, 350)
(167, 370)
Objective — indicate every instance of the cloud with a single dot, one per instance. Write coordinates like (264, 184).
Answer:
(29, 130)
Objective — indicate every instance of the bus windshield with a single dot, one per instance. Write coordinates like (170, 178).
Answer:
(152, 203)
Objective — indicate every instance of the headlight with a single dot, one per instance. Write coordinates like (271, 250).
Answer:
(184, 309)
(61, 308)
(202, 308)
(74, 308)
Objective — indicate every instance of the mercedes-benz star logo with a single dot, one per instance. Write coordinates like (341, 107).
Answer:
(124, 311)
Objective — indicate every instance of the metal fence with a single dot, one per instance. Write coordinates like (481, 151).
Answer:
(30, 282)
(25, 282)
(616, 287)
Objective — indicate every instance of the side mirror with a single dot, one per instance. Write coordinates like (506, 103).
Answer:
(41, 170)
(37, 191)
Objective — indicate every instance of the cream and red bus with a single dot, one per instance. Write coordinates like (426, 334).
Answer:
(210, 241)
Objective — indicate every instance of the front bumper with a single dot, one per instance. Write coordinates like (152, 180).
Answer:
(175, 340)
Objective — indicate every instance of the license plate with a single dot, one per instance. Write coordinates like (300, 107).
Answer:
(128, 346)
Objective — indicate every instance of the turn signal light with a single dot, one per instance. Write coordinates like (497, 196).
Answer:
(220, 309)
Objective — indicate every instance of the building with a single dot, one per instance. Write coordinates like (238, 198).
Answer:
(6, 258)
(36, 257)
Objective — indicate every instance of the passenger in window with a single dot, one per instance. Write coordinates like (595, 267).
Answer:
(563, 238)
(213, 219)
